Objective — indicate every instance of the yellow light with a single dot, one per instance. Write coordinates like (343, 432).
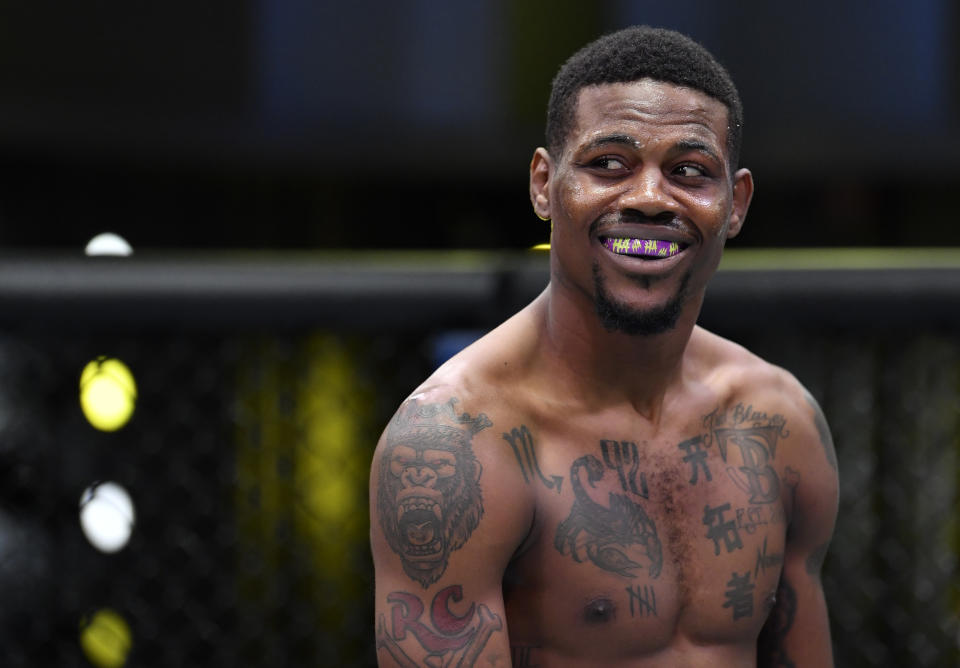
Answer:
(106, 639)
(108, 393)
(540, 247)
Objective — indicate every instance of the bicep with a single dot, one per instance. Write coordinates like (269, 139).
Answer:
(797, 632)
(441, 536)
(453, 623)
(444, 606)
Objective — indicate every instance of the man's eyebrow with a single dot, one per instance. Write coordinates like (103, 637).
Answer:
(685, 145)
(681, 146)
(622, 139)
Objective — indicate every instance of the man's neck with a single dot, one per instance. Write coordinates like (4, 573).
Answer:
(596, 367)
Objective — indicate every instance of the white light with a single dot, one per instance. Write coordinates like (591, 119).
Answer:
(108, 243)
(106, 516)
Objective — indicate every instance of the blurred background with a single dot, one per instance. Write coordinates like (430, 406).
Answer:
(325, 200)
(301, 124)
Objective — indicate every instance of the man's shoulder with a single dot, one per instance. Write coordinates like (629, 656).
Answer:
(757, 392)
(490, 374)
(474, 397)
(743, 373)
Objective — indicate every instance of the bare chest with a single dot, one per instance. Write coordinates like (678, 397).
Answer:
(640, 542)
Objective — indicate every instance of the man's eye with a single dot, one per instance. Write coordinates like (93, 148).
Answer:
(608, 163)
(689, 170)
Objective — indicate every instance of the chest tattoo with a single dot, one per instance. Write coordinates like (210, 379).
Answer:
(603, 533)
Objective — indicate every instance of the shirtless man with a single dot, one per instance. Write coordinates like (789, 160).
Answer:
(599, 481)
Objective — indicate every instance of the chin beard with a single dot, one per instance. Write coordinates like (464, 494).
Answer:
(615, 316)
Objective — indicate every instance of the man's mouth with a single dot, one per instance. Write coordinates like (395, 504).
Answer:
(645, 248)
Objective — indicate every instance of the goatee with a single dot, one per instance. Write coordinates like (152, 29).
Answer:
(615, 316)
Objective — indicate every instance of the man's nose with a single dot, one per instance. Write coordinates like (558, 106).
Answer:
(647, 192)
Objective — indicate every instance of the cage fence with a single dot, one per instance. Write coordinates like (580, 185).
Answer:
(247, 455)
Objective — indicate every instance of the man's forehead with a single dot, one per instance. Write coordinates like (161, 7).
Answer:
(652, 102)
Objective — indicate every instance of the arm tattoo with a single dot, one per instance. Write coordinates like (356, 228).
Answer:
(771, 652)
(428, 499)
(448, 639)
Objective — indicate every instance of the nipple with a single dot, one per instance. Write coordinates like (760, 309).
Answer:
(599, 611)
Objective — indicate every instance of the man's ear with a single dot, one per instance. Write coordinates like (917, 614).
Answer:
(541, 170)
(742, 194)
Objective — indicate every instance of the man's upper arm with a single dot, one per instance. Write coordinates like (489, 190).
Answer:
(797, 632)
(442, 532)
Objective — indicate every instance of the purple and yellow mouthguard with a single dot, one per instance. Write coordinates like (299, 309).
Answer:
(642, 247)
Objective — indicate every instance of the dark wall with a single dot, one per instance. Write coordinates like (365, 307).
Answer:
(410, 124)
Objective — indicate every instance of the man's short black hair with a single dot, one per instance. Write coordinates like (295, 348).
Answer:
(635, 53)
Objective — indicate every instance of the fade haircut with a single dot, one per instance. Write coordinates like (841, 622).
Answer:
(635, 53)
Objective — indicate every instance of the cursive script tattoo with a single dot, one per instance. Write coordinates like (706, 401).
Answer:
(428, 499)
(447, 639)
(602, 532)
(766, 559)
(755, 435)
(751, 518)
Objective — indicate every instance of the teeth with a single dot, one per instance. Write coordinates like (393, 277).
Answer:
(417, 550)
(643, 247)
(419, 503)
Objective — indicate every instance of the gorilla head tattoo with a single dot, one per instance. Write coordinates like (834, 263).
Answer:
(429, 498)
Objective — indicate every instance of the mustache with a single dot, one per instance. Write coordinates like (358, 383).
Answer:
(665, 218)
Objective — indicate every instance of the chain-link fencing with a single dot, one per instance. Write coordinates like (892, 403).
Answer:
(247, 455)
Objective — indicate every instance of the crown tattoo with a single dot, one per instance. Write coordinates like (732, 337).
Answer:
(442, 415)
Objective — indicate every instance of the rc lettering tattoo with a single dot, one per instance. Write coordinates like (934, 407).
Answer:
(446, 639)
(429, 499)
